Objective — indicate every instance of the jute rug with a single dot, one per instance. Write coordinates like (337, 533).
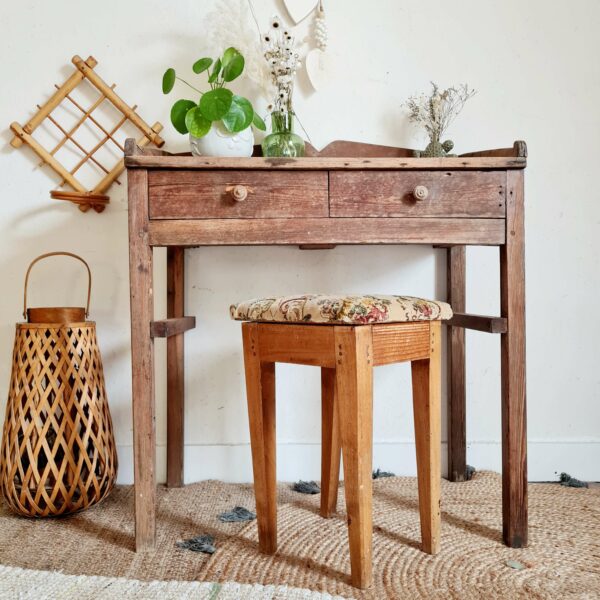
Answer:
(562, 560)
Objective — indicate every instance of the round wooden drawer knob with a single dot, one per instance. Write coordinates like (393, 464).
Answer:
(239, 192)
(420, 192)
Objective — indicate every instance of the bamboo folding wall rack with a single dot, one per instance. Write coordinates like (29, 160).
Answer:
(95, 198)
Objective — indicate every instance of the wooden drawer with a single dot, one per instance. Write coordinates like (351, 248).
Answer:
(210, 194)
(391, 194)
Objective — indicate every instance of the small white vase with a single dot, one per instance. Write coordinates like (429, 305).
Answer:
(220, 142)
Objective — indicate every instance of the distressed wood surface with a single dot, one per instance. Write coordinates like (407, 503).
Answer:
(142, 362)
(457, 392)
(479, 323)
(512, 349)
(346, 148)
(427, 389)
(350, 149)
(173, 326)
(176, 325)
(208, 194)
(519, 149)
(233, 232)
(390, 194)
(323, 163)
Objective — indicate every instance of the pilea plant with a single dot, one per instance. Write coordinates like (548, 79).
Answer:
(219, 104)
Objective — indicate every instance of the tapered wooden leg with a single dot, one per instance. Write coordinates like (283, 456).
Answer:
(426, 384)
(330, 444)
(457, 396)
(514, 424)
(175, 369)
(142, 361)
(354, 376)
(260, 391)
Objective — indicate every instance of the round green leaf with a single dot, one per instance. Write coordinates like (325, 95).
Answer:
(215, 72)
(234, 66)
(239, 116)
(229, 54)
(168, 81)
(215, 104)
(258, 122)
(197, 124)
(178, 113)
(201, 65)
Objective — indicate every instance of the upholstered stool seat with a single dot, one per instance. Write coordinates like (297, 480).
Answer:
(346, 336)
(343, 309)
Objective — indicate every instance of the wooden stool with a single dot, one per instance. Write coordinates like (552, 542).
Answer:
(346, 336)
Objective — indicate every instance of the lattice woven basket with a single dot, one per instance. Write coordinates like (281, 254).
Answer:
(58, 451)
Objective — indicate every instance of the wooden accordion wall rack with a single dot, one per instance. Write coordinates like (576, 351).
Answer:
(96, 197)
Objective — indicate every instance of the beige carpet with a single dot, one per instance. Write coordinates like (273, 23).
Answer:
(563, 558)
(42, 585)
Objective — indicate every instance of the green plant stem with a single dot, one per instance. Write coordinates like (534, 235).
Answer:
(305, 132)
(190, 85)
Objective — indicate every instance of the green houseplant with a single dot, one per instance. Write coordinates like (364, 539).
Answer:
(220, 122)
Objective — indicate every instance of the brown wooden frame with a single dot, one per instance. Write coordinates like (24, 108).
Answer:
(416, 227)
(95, 198)
(347, 355)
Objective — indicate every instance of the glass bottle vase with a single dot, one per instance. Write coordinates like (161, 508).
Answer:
(282, 141)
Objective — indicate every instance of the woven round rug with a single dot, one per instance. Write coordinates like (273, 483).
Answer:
(562, 560)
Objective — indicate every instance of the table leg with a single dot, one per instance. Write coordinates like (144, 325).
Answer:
(457, 404)
(514, 427)
(175, 368)
(142, 361)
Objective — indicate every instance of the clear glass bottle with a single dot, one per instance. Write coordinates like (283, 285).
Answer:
(282, 141)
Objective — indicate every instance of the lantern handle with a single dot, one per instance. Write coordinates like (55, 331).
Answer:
(42, 256)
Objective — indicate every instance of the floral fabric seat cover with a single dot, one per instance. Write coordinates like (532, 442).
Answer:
(348, 310)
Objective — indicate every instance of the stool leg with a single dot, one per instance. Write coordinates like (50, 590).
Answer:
(260, 391)
(426, 385)
(330, 444)
(354, 377)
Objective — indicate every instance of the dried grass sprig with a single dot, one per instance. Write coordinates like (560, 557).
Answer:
(437, 111)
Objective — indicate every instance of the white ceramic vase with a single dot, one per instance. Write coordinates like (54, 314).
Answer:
(220, 142)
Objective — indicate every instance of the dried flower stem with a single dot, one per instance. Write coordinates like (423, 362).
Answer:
(437, 111)
(283, 61)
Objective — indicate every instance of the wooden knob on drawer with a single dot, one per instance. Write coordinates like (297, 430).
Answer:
(420, 192)
(238, 192)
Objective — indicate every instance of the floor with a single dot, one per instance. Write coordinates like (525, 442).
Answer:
(562, 560)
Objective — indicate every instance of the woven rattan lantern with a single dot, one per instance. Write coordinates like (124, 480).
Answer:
(58, 449)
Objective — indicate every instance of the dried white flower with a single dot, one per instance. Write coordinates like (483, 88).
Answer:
(283, 62)
(437, 111)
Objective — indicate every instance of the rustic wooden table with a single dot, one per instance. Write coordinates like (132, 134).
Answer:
(349, 193)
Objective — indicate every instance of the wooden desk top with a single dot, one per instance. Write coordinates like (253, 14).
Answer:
(349, 193)
(338, 155)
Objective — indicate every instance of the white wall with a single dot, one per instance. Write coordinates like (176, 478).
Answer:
(535, 66)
